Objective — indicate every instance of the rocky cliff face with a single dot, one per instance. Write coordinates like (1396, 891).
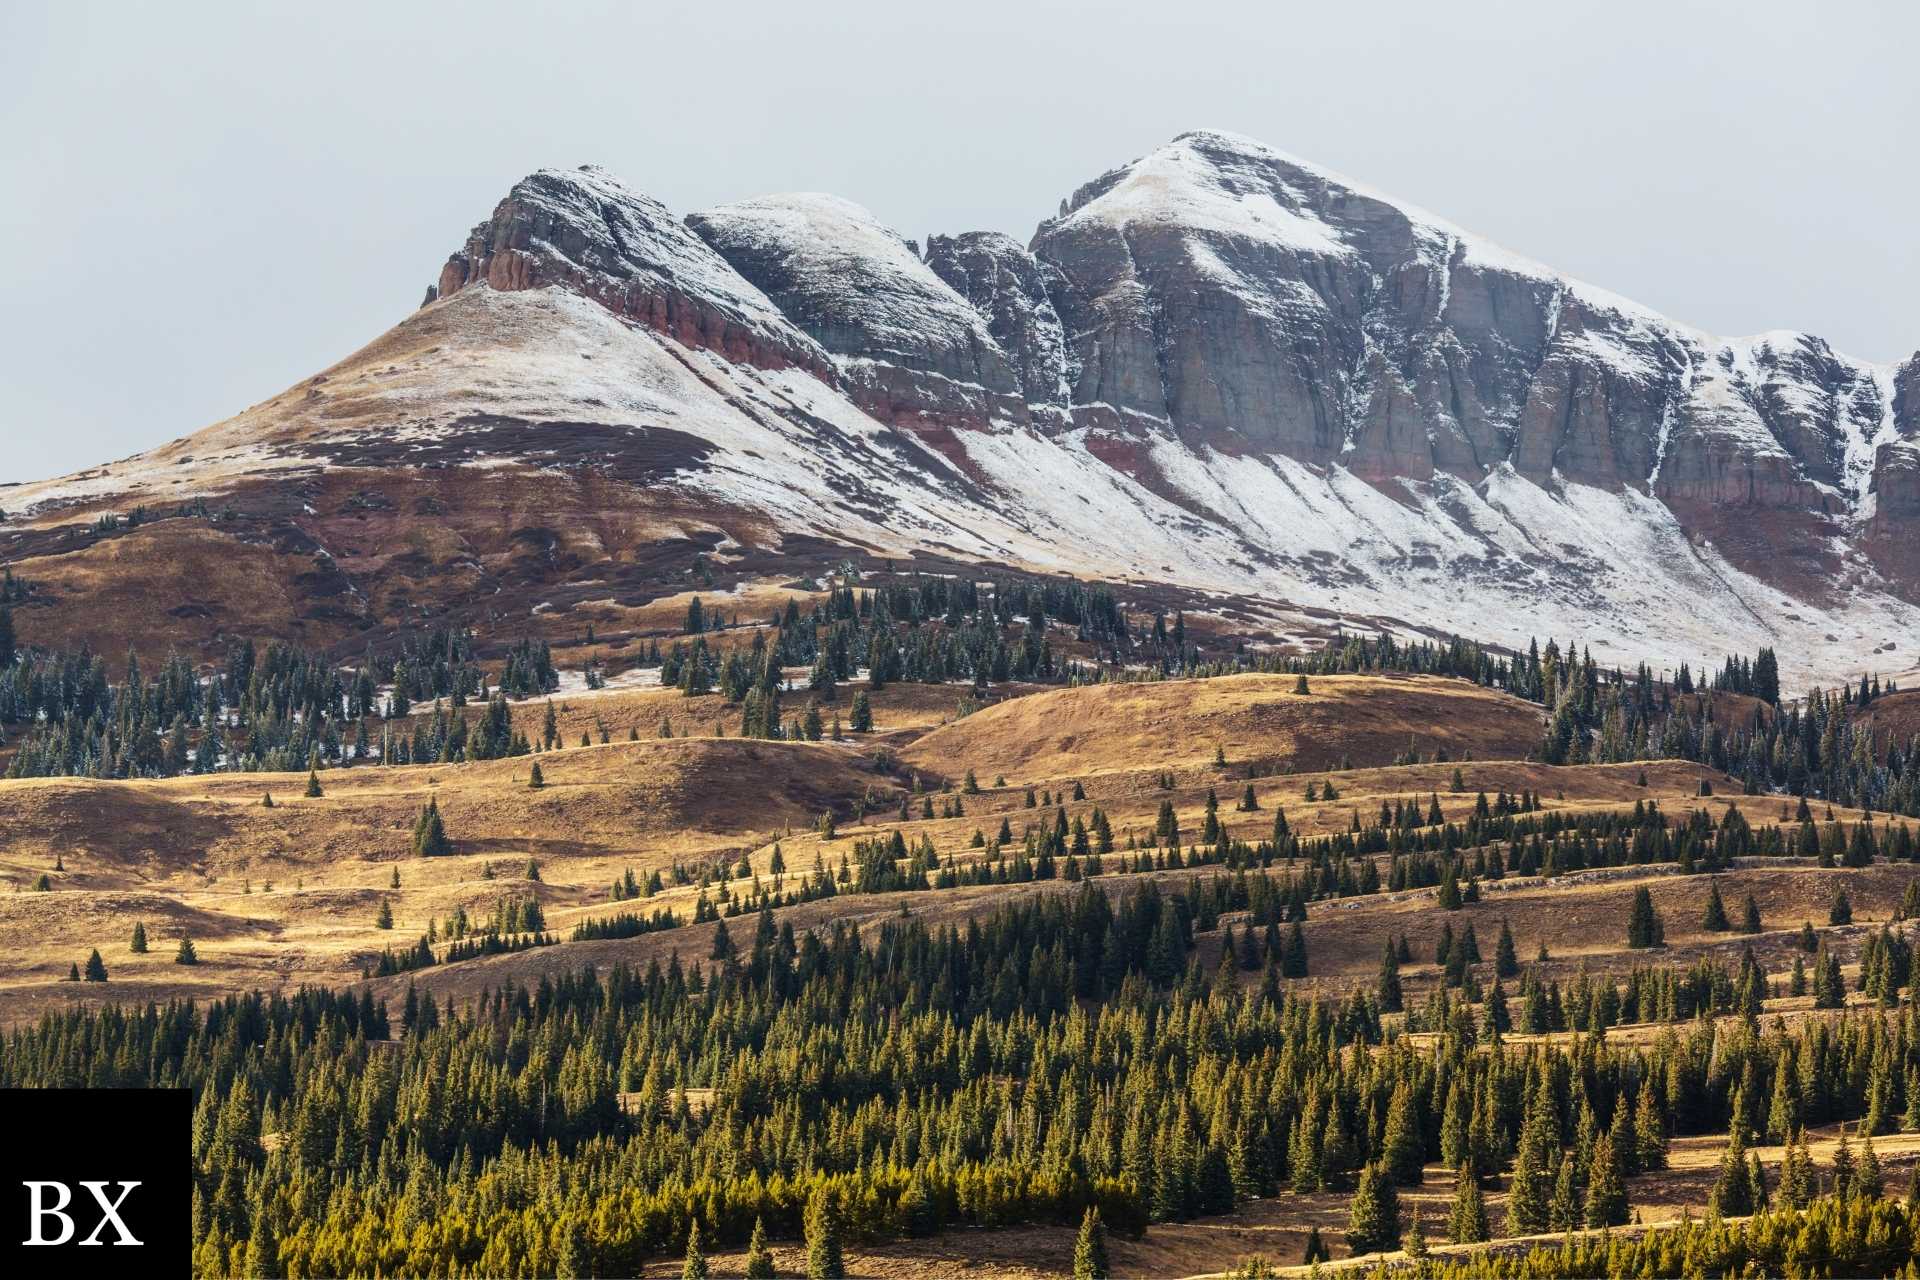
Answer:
(1217, 299)
(582, 230)
(1220, 291)
(1217, 367)
(1219, 287)
(1014, 292)
(912, 351)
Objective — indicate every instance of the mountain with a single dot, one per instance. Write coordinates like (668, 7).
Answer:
(1225, 377)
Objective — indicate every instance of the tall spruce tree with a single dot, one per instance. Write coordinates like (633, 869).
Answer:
(695, 1267)
(759, 1256)
(1467, 1224)
(1606, 1186)
(824, 1258)
(1643, 922)
(1090, 1248)
(1387, 987)
(1715, 920)
(1373, 1220)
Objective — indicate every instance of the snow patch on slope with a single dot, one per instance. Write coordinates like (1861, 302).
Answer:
(840, 258)
(1179, 187)
(592, 219)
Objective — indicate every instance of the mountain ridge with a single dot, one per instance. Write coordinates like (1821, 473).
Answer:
(1218, 369)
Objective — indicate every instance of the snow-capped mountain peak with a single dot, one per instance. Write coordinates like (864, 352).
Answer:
(1219, 369)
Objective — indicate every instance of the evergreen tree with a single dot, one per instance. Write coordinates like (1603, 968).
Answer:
(1783, 1111)
(1527, 1206)
(1732, 1194)
(1750, 916)
(1468, 1222)
(430, 833)
(1506, 963)
(759, 1257)
(1090, 1248)
(1649, 1132)
(1387, 988)
(313, 784)
(1842, 1163)
(824, 1258)
(139, 944)
(1373, 1222)
(263, 1249)
(186, 954)
(1799, 1184)
(570, 1261)
(1564, 1211)
(1715, 920)
(696, 1264)
(1643, 923)
(1606, 1186)
(96, 967)
(536, 779)
(1414, 1243)
(861, 718)
(1829, 991)
(1867, 1183)
(1402, 1150)
(1294, 963)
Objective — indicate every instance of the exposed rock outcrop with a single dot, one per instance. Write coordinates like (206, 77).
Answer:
(913, 352)
(1014, 292)
(583, 230)
(1219, 369)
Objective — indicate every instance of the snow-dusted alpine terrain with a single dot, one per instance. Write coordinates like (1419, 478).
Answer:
(1219, 369)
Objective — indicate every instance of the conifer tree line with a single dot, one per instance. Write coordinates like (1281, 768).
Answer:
(281, 709)
(1509, 835)
(1818, 746)
(289, 710)
(1842, 1234)
(912, 1080)
(924, 629)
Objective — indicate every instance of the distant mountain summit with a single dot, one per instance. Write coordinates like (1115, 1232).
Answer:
(1219, 373)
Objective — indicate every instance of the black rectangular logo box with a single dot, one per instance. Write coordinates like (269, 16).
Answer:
(104, 1175)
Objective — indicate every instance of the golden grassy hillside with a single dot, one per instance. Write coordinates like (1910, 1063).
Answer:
(288, 895)
(278, 896)
(1254, 719)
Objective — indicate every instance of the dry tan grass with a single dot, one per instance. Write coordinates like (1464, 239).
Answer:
(900, 711)
(1258, 719)
(189, 583)
(278, 897)
(196, 856)
(274, 897)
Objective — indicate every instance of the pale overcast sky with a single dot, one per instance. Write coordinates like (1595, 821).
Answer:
(207, 202)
